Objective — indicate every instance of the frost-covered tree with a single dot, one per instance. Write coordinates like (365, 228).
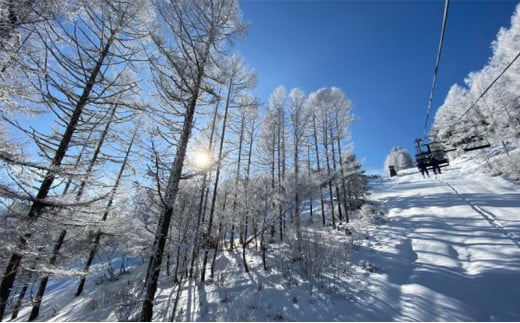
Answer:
(399, 158)
(299, 116)
(356, 182)
(272, 143)
(194, 34)
(236, 78)
(80, 76)
(444, 128)
(331, 121)
(245, 131)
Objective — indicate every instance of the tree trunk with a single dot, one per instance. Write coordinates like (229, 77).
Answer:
(217, 177)
(237, 176)
(91, 256)
(343, 187)
(8, 280)
(273, 185)
(154, 265)
(43, 283)
(322, 202)
(329, 173)
(203, 196)
(177, 298)
(232, 238)
(19, 301)
(309, 174)
(177, 264)
(334, 166)
(281, 168)
(263, 249)
(215, 251)
(246, 267)
(297, 190)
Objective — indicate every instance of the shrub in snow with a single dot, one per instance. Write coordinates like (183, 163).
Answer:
(507, 165)
(314, 258)
(367, 266)
(226, 297)
(371, 214)
(221, 280)
(92, 305)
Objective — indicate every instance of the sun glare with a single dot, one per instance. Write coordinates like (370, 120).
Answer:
(202, 159)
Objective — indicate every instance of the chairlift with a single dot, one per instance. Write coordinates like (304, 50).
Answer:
(475, 142)
(427, 152)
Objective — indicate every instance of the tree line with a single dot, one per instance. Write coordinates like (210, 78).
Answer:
(106, 106)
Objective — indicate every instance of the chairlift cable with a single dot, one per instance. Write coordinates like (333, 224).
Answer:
(437, 61)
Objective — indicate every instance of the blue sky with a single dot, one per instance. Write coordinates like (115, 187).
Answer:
(380, 53)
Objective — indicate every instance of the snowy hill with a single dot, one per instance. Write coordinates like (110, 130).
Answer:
(447, 249)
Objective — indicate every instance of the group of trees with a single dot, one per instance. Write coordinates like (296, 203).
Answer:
(104, 106)
(482, 108)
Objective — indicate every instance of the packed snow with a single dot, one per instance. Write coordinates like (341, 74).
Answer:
(452, 246)
(445, 247)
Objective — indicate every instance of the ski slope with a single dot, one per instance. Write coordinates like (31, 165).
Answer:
(448, 250)
(451, 248)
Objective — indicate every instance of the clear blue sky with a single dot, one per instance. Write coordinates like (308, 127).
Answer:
(380, 53)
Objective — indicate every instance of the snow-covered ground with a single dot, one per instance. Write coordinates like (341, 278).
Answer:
(449, 250)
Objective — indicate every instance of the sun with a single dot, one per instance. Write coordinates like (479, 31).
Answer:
(202, 159)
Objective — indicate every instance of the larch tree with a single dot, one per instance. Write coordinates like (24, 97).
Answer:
(266, 158)
(245, 133)
(331, 120)
(79, 74)
(299, 116)
(325, 122)
(356, 182)
(95, 242)
(318, 169)
(277, 107)
(236, 79)
(194, 34)
(272, 152)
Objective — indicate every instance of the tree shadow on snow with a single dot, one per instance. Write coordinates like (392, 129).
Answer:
(456, 268)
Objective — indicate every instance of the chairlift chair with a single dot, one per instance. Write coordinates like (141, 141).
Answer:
(476, 142)
(433, 150)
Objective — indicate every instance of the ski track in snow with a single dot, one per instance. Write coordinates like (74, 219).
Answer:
(492, 219)
(456, 254)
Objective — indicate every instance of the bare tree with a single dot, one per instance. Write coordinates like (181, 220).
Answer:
(299, 117)
(196, 32)
(84, 67)
(277, 107)
(331, 121)
(246, 135)
(318, 166)
(95, 243)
